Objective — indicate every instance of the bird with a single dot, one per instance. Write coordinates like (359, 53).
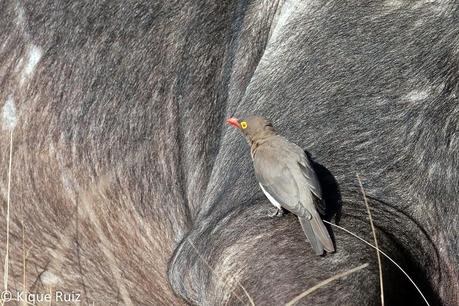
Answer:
(287, 179)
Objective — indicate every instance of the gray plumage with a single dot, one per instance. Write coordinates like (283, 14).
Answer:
(286, 177)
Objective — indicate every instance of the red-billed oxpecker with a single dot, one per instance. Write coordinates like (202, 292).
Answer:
(286, 178)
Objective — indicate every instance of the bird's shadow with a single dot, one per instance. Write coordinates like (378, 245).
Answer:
(331, 195)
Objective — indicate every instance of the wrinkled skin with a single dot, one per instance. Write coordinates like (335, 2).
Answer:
(131, 190)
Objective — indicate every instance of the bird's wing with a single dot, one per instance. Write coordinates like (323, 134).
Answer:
(306, 169)
(278, 181)
(311, 177)
(288, 176)
(312, 181)
(284, 179)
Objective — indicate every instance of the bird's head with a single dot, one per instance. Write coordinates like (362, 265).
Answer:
(252, 127)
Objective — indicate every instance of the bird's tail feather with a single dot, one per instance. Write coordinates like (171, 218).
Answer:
(317, 234)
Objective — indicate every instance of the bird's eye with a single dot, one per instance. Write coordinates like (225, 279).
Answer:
(243, 124)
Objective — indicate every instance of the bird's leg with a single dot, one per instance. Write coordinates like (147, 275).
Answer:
(278, 212)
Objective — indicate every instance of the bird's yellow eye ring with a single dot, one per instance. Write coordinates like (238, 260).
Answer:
(243, 124)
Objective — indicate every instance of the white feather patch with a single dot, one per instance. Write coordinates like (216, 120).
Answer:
(270, 198)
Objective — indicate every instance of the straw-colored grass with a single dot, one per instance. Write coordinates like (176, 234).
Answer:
(324, 283)
(8, 199)
(385, 255)
(375, 239)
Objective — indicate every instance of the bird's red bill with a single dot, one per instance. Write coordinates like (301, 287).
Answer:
(234, 122)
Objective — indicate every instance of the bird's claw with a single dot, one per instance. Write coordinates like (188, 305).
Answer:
(276, 213)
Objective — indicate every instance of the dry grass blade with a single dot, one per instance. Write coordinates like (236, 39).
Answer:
(325, 282)
(8, 198)
(220, 277)
(385, 255)
(375, 239)
(25, 256)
